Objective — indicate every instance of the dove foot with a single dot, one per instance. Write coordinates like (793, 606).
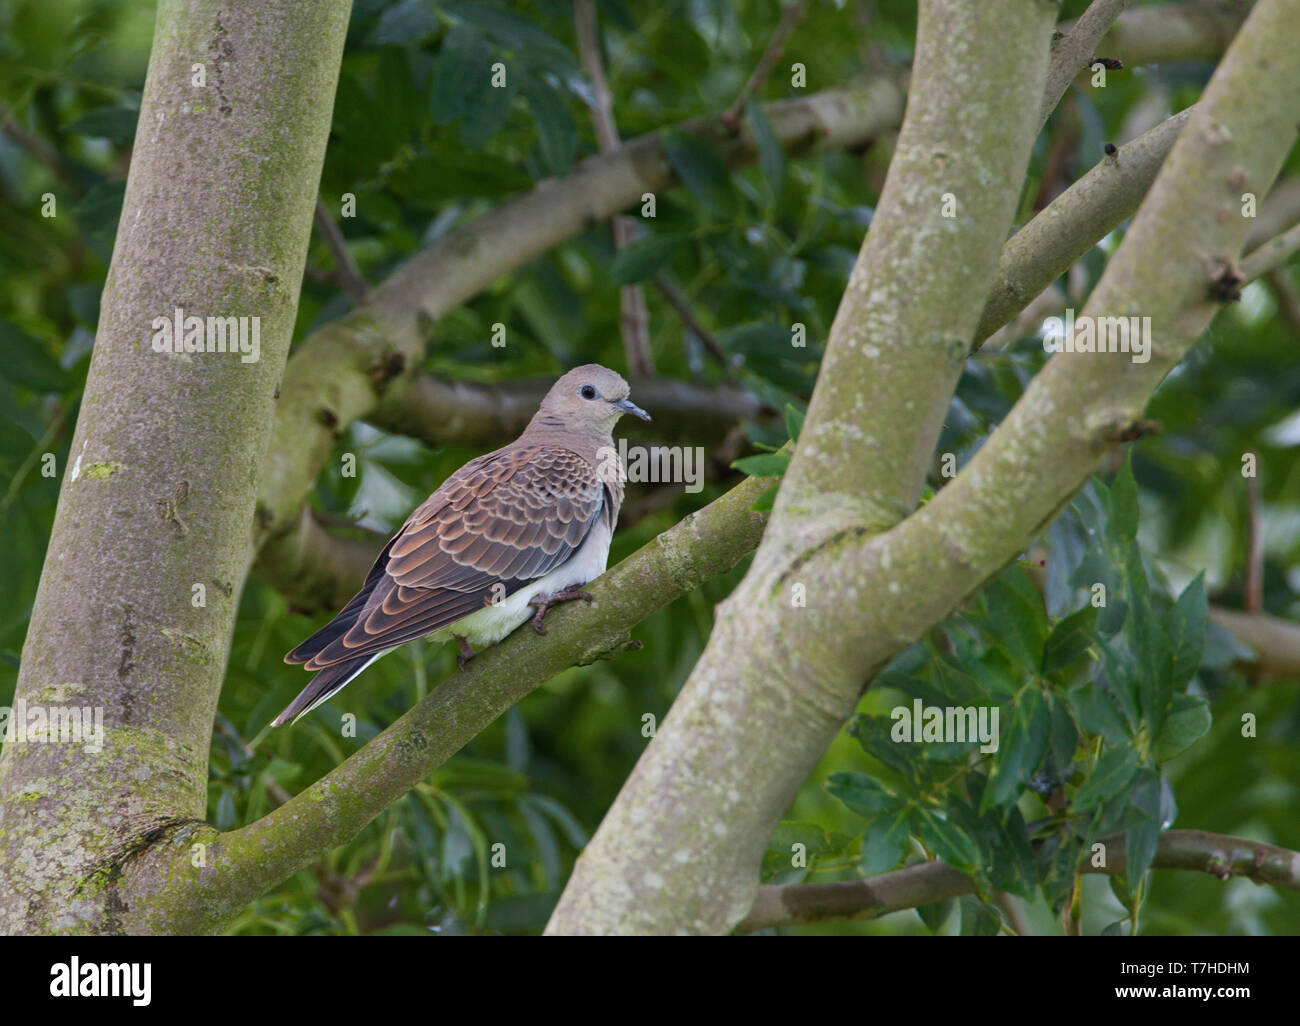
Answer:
(466, 652)
(543, 604)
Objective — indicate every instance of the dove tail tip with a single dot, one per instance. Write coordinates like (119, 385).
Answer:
(325, 685)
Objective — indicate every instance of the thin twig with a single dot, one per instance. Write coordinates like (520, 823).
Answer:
(634, 317)
(1015, 914)
(1218, 855)
(1286, 296)
(1254, 597)
(40, 149)
(1274, 642)
(346, 271)
(789, 18)
(682, 307)
(1271, 254)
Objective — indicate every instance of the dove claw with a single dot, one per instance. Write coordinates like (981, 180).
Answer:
(466, 651)
(543, 604)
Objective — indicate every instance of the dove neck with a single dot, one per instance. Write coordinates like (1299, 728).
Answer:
(548, 428)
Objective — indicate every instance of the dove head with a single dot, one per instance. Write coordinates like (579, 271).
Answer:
(589, 399)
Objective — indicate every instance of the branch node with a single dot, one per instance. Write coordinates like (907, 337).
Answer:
(1225, 286)
(1131, 429)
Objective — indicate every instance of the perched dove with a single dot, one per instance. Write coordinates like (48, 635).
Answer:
(507, 536)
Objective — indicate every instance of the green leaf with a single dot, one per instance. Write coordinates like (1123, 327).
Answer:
(875, 735)
(765, 464)
(643, 258)
(227, 817)
(1187, 631)
(935, 915)
(863, 794)
(1140, 840)
(1098, 712)
(406, 22)
(771, 157)
(794, 418)
(1013, 856)
(512, 30)
(116, 124)
(1017, 616)
(557, 134)
(1123, 522)
(958, 686)
(1070, 640)
(1155, 686)
(1120, 674)
(1020, 749)
(485, 118)
(978, 919)
(765, 345)
(883, 842)
(24, 360)
(793, 832)
(1057, 858)
(946, 840)
(1188, 721)
(1064, 737)
(700, 169)
(1113, 772)
(462, 72)
(766, 500)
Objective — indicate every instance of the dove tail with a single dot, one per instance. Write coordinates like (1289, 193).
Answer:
(324, 686)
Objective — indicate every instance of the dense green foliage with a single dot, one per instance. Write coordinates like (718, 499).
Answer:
(1131, 710)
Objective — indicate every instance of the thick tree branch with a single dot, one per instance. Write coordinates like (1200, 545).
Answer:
(1198, 30)
(1097, 204)
(1275, 642)
(1220, 856)
(1074, 222)
(679, 849)
(346, 272)
(327, 566)
(1075, 50)
(151, 539)
(1271, 255)
(438, 411)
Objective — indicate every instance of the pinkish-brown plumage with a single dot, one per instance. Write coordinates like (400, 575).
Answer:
(519, 525)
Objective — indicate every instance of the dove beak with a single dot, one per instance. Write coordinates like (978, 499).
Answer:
(628, 406)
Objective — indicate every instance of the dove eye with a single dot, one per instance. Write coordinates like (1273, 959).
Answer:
(587, 392)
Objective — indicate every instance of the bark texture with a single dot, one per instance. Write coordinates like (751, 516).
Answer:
(159, 501)
(680, 849)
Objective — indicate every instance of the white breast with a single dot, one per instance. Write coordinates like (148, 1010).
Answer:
(492, 623)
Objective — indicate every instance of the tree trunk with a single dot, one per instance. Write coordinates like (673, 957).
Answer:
(154, 530)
